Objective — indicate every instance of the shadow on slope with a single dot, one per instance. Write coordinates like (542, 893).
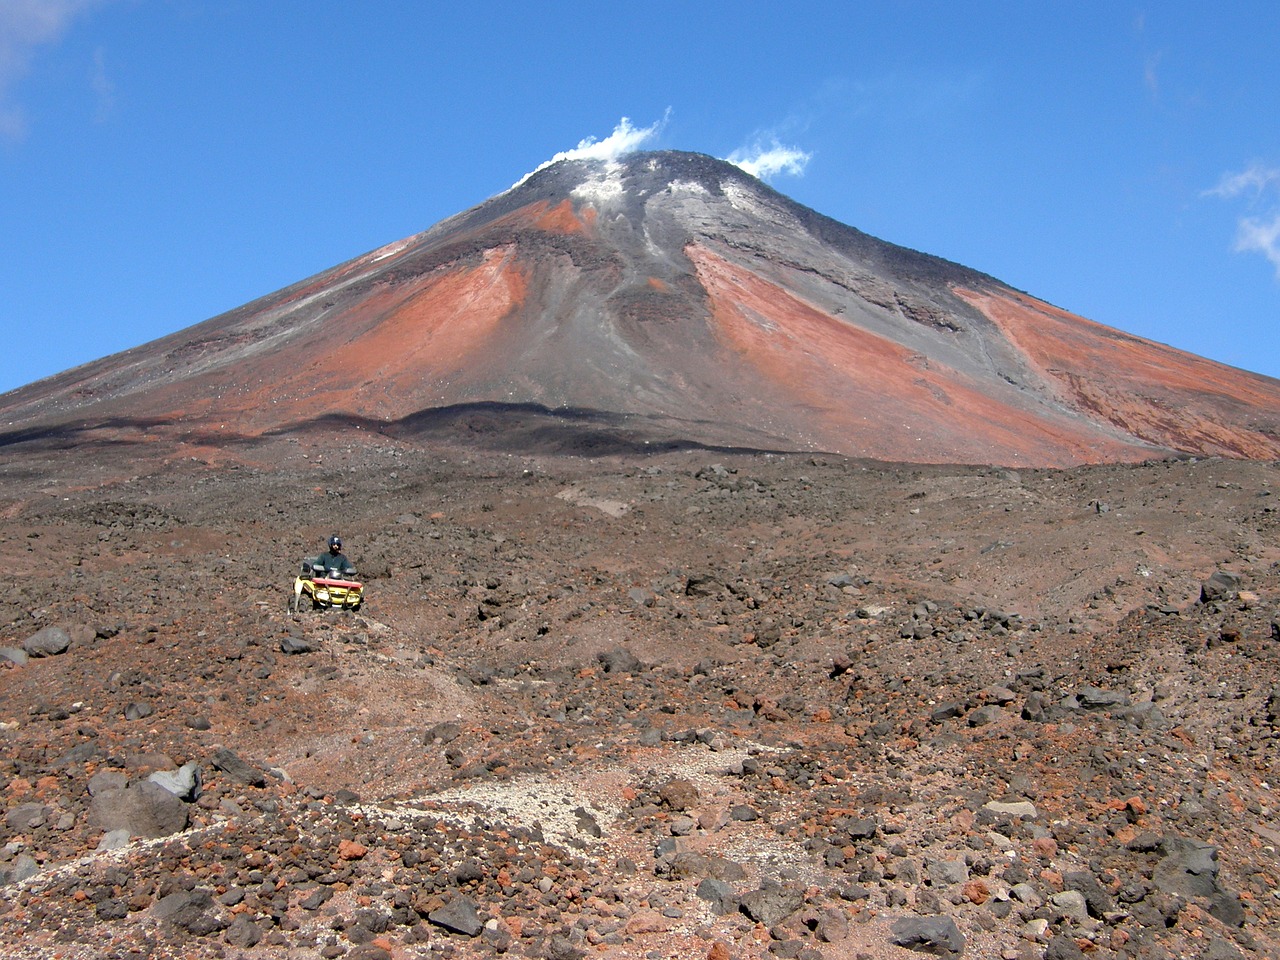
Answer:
(534, 428)
(523, 428)
(63, 435)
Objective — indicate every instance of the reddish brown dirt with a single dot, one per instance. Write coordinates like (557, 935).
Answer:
(820, 646)
(1152, 391)
(690, 306)
(857, 386)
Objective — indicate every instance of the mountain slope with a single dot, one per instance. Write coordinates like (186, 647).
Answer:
(669, 298)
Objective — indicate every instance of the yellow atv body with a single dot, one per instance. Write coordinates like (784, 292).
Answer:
(316, 590)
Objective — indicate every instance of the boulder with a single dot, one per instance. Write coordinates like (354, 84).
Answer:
(145, 809)
(619, 660)
(235, 768)
(1189, 868)
(185, 782)
(938, 935)
(22, 867)
(459, 915)
(295, 645)
(1221, 586)
(48, 642)
(771, 904)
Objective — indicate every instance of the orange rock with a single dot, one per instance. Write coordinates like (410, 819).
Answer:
(719, 951)
(45, 784)
(1125, 834)
(350, 850)
(977, 891)
(647, 921)
(1045, 847)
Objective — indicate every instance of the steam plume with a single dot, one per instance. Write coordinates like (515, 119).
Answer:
(765, 162)
(624, 139)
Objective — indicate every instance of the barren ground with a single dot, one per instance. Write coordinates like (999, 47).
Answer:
(694, 704)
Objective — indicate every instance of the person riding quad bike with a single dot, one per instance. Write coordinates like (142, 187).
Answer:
(327, 581)
(334, 563)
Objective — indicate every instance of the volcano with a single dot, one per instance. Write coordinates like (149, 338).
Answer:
(667, 299)
(720, 700)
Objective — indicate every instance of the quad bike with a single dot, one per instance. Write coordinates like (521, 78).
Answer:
(315, 589)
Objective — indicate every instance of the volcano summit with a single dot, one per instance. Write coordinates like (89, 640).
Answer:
(670, 299)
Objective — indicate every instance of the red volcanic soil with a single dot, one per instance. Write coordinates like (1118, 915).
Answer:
(1151, 391)
(684, 305)
(869, 396)
(682, 705)
(562, 218)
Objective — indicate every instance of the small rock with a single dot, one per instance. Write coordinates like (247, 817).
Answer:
(237, 769)
(938, 935)
(1070, 905)
(943, 873)
(144, 809)
(620, 661)
(1016, 808)
(113, 840)
(1222, 585)
(678, 794)
(718, 894)
(48, 642)
(185, 782)
(459, 915)
(243, 932)
(771, 905)
(23, 867)
(296, 645)
(138, 711)
(351, 850)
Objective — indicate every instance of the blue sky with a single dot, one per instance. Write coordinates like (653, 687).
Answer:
(162, 161)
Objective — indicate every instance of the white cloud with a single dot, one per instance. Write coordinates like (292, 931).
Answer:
(26, 25)
(1260, 186)
(1260, 236)
(103, 88)
(767, 161)
(1254, 179)
(624, 139)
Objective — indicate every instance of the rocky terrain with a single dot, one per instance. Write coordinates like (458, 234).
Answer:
(604, 703)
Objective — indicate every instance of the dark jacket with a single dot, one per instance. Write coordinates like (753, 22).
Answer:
(333, 564)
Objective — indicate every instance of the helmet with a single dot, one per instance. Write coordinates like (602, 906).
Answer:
(335, 543)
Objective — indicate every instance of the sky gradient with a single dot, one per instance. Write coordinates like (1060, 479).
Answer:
(163, 161)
